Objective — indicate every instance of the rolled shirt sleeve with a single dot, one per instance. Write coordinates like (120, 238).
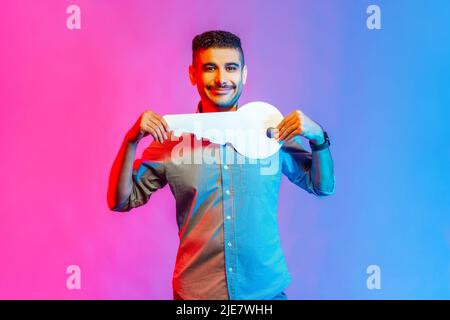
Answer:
(148, 176)
(296, 166)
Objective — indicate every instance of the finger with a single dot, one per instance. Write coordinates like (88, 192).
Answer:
(157, 131)
(145, 128)
(288, 125)
(164, 123)
(151, 131)
(289, 120)
(284, 134)
(288, 131)
(160, 134)
(155, 125)
(291, 135)
(160, 127)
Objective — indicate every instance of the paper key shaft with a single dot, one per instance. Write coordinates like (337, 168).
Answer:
(246, 129)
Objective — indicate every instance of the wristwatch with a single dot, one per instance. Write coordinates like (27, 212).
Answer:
(324, 145)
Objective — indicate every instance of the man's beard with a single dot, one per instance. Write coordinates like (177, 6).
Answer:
(229, 102)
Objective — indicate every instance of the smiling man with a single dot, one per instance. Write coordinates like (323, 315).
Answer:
(218, 70)
(226, 211)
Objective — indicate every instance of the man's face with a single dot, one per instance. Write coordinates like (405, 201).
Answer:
(219, 75)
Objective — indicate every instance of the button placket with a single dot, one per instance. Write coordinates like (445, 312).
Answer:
(230, 255)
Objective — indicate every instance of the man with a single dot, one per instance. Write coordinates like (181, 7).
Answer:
(226, 212)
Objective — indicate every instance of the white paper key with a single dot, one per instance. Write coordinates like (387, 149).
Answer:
(247, 129)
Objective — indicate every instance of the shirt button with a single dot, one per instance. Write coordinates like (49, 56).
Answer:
(225, 167)
(230, 269)
(227, 192)
(228, 217)
(229, 243)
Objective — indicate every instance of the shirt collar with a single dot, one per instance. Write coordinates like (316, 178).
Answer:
(200, 110)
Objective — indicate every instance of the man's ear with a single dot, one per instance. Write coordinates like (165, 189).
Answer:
(192, 75)
(244, 74)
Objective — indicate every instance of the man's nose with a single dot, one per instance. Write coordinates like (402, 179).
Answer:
(220, 78)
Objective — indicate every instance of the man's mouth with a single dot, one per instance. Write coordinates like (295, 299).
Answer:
(221, 91)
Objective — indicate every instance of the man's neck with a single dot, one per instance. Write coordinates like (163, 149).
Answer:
(207, 106)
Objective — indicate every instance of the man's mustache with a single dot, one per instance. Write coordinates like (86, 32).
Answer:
(219, 87)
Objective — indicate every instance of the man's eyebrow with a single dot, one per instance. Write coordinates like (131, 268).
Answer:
(232, 64)
(209, 64)
(228, 64)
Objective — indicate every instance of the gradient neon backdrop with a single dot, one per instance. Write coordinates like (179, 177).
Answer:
(69, 96)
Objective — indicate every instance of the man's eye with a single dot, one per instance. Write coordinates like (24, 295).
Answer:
(231, 68)
(209, 68)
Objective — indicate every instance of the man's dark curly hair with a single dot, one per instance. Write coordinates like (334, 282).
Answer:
(216, 39)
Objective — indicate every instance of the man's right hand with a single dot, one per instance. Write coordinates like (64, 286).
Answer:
(149, 123)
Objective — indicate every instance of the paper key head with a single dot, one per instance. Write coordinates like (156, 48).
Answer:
(256, 119)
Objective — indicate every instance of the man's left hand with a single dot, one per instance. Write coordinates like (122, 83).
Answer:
(297, 123)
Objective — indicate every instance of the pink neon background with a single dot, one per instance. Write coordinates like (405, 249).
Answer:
(68, 99)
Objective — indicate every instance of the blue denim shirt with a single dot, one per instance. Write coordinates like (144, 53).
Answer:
(226, 211)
